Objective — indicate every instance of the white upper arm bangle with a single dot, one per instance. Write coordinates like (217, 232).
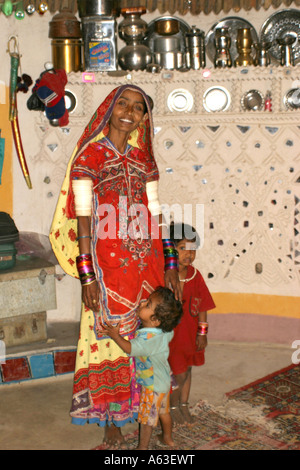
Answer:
(83, 196)
(153, 201)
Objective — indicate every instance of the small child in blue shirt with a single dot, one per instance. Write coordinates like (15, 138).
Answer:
(159, 315)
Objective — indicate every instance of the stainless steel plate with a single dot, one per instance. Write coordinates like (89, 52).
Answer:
(281, 24)
(252, 100)
(180, 100)
(216, 98)
(291, 99)
(233, 23)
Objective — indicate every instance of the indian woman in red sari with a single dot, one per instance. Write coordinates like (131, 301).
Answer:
(107, 231)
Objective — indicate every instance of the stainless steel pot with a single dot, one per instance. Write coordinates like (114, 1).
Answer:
(134, 57)
(168, 60)
(98, 8)
(166, 44)
(195, 50)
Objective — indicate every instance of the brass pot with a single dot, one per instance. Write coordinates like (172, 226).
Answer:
(244, 38)
(66, 54)
(167, 27)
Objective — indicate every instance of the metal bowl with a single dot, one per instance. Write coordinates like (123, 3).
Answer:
(152, 34)
(70, 101)
(153, 68)
(291, 99)
(54, 122)
(252, 100)
(167, 27)
(166, 44)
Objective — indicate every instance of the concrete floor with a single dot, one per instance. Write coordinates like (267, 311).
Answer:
(34, 415)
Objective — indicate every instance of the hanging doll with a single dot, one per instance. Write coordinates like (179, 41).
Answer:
(50, 90)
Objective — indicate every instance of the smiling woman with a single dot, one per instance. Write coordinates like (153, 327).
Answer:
(111, 168)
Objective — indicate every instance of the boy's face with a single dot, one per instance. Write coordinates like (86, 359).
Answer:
(146, 310)
(186, 253)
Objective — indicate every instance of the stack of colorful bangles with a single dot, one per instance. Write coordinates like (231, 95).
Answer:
(170, 254)
(202, 328)
(85, 269)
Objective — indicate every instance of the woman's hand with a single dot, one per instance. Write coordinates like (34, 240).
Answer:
(172, 281)
(90, 296)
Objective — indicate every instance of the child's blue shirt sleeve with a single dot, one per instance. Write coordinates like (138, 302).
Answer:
(148, 343)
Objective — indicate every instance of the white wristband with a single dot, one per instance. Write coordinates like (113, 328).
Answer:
(83, 196)
(153, 201)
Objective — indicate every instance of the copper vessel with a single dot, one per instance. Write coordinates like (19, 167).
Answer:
(167, 27)
(64, 25)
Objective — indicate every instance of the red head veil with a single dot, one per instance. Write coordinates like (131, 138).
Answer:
(100, 119)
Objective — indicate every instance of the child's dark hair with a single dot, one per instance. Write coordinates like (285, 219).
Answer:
(169, 310)
(180, 231)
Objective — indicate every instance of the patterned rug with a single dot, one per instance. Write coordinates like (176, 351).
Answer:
(264, 415)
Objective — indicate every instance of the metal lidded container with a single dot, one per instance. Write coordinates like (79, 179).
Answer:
(99, 43)
(98, 21)
(66, 54)
(64, 25)
(195, 48)
(222, 43)
(107, 8)
(66, 43)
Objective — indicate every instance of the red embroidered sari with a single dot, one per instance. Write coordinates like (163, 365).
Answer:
(128, 263)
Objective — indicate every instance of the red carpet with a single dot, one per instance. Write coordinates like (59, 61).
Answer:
(263, 415)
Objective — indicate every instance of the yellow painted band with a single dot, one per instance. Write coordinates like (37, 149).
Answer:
(279, 306)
